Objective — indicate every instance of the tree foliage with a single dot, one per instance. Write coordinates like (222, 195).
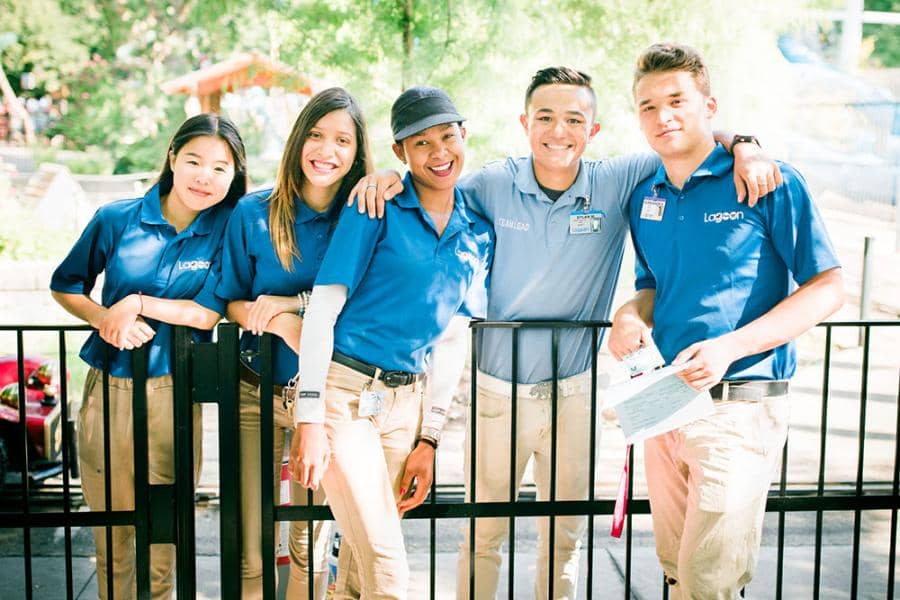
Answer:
(114, 54)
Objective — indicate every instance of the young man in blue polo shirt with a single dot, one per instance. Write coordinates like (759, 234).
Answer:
(718, 285)
(545, 267)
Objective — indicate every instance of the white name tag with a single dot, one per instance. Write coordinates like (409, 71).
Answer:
(582, 222)
(370, 403)
(653, 208)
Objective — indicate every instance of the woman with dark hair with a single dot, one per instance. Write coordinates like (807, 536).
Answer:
(274, 243)
(159, 254)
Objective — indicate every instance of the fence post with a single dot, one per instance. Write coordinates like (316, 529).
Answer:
(229, 454)
(866, 286)
(185, 545)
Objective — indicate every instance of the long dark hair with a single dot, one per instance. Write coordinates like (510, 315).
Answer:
(214, 126)
(289, 181)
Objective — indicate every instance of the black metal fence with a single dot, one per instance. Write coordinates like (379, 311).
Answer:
(208, 373)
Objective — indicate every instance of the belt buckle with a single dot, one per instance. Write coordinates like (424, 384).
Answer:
(289, 392)
(394, 379)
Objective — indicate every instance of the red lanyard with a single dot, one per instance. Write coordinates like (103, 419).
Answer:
(618, 520)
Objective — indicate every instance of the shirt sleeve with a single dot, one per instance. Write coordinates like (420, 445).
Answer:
(316, 349)
(643, 277)
(237, 266)
(351, 249)
(473, 188)
(627, 172)
(446, 364)
(78, 271)
(207, 297)
(797, 229)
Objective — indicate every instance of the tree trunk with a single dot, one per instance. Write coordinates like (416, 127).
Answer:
(407, 41)
(16, 106)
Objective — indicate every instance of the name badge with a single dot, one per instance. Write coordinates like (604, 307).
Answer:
(653, 208)
(582, 222)
(370, 403)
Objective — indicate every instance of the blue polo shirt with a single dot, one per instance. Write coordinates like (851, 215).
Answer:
(139, 251)
(251, 268)
(717, 266)
(540, 270)
(404, 283)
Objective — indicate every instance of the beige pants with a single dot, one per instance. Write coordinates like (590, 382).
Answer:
(534, 422)
(251, 528)
(368, 456)
(161, 450)
(708, 483)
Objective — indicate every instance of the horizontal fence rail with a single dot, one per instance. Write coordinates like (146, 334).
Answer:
(208, 373)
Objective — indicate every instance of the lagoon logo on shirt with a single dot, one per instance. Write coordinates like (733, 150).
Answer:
(192, 265)
(513, 224)
(723, 216)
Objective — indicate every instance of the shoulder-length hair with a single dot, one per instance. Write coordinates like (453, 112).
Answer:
(208, 124)
(289, 181)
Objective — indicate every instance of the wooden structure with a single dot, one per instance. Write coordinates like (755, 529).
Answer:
(241, 71)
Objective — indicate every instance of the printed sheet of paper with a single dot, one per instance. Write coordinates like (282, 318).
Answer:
(655, 403)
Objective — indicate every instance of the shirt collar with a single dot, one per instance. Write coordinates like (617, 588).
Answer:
(527, 183)
(409, 199)
(151, 214)
(718, 163)
(305, 214)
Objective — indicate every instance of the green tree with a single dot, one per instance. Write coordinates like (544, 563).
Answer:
(885, 38)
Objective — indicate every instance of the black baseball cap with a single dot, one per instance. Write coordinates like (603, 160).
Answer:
(419, 108)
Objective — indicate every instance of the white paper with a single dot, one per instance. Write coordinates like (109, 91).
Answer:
(655, 403)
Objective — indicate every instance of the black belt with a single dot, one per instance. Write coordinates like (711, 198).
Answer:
(391, 379)
(250, 376)
(753, 390)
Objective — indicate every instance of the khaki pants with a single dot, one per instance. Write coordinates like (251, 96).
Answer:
(251, 498)
(160, 403)
(708, 483)
(534, 422)
(368, 456)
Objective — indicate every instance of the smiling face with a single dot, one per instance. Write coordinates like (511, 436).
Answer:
(328, 153)
(435, 156)
(675, 115)
(559, 124)
(202, 172)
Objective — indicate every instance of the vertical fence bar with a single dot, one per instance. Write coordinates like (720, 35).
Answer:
(229, 454)
(554, 438)
(432, 542)
(141, 472)
(473, 430)
(185, 555)
(592, 460)
(267, 474)
(513, 481)
(820, 480)
(107, 470)
(895, 490)
(857, 514)
(23, 449)
(628, 530)
(67, 459)
(782, 491)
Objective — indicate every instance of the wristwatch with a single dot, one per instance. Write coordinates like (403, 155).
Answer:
(740, 139)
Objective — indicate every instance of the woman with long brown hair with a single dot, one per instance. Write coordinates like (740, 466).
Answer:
(274, 244)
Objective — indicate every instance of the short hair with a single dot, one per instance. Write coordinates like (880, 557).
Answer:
(560, 75)
(670, 56)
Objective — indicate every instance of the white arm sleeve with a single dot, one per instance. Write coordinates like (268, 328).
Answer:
(447, 362)
(316, 348)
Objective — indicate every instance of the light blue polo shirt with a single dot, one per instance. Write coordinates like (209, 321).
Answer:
(139, 251)
(404, 283)
(251, 268)
(717, 266)
(541, 270)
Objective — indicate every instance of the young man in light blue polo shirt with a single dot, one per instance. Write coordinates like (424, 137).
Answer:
(547, 267)
(718, 285)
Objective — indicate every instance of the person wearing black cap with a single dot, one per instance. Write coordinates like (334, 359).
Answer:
(385, 294)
